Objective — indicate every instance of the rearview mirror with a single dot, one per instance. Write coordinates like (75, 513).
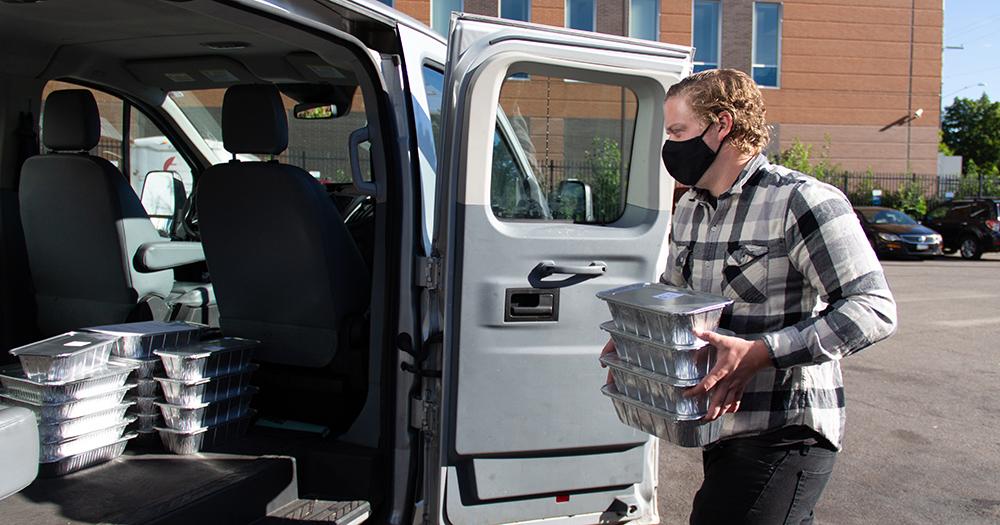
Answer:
(313, 111)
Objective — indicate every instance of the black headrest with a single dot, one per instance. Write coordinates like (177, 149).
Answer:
(253, 120)
(71, 121)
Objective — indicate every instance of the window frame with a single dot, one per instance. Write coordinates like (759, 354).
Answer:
(656, 21)
(753, 47)
(718, 33)
(593, 16)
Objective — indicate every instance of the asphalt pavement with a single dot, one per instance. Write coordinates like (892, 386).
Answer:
(922, 442)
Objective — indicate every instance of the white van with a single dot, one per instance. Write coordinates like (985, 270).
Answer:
(429, 346)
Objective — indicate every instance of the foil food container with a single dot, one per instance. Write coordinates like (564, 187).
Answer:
(679, 430)
(100, 381)
(144, 368)
(206, 414)
(207, 359)
(195, 392)
(54, 413)
(54, 451)
(139, 340)
(664, 314)
(147, 387)
(68, 428)
(654, 389)
(146, 405)
(683, 363)
(147, 423)
(197, 440)
(65, 357)
(95, 456)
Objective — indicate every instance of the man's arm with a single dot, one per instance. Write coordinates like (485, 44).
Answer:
(828, 247)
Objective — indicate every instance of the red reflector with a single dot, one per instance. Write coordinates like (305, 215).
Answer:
(562, 499)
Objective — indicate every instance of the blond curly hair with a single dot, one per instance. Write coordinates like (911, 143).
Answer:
(714, 91)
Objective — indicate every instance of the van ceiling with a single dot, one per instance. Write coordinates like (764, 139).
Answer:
(94, 39)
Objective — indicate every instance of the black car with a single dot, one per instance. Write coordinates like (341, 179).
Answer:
(893, 232)
(969, 226)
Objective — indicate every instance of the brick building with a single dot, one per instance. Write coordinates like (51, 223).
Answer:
(839, 73)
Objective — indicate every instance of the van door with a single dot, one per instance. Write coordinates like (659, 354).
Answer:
(532, 222)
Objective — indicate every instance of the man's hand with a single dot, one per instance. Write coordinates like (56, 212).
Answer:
(608, 348)
(736, 362)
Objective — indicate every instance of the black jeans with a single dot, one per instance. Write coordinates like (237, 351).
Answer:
(746, 482)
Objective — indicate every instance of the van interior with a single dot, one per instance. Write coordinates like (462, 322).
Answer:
(274, 222)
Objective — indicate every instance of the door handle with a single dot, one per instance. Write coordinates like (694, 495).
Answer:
(577, 274)
(530, 304)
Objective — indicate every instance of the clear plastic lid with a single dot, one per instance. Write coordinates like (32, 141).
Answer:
(65, 345)
(207, 348)
(664, 299)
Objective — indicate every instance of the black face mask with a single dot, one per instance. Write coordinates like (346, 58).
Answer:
(688, 160)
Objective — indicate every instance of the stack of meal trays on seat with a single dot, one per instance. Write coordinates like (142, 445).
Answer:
(77, 396)
(135, 346)
(208, 393)
(658, 357)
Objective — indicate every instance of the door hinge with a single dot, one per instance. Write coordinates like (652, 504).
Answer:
(428, 272)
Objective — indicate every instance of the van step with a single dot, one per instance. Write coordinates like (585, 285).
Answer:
(314, 510)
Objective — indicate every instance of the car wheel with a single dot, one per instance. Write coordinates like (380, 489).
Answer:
(970, 249)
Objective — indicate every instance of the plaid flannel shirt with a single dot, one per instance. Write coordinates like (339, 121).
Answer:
(790, 252)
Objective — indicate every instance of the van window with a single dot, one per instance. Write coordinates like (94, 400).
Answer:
(147, 148)
(563, 150)
(319, 146)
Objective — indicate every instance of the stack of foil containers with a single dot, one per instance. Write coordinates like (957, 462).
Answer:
(208, 393)
(658, 357)
(135, 347)
(77, 395)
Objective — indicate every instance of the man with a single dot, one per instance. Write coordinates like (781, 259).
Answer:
(807, 287)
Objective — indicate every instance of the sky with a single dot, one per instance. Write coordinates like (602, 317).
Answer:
(974, 25)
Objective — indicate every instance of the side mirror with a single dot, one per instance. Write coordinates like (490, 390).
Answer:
(572, 200)
(163, 197)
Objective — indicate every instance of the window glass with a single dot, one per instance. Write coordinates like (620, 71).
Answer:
(580, 14)
(766, 40)
(387, 2)
(441, 14)
(562, 150)
(644, 19)
(938, 213)
(319, 146)
(705, 34)
(515, 10)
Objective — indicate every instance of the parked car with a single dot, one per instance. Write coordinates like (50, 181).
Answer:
(447, 373)
(970, 226)
(894, 233)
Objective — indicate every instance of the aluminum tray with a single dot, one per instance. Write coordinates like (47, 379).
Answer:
(146, 423)
(208, 358)
(145, 368)
(206, 414)
(65, 357)
(684, 432)
(55, 413)
(68, 428)
(147, 387)
(146, 405)
(679, 362)
(660, 391)
(665, 314)
(49, 452)
(101, 381)
(195, 392)
(198, 439)
(86, 459)
(139, 340)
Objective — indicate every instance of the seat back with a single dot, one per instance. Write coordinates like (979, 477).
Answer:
(285, 269)
(82, 224)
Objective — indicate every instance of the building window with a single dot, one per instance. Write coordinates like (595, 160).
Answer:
(706, 35)
(441, 14)
(387, 2)
(766, 43)
(644, 19)
(580, 14)
(515, 10)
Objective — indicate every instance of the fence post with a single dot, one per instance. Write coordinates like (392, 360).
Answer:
(844, 189)
(552, 180)
(979, 193)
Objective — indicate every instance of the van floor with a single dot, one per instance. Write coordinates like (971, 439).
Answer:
(264, 473)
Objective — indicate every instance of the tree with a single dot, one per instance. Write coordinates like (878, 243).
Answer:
(971, 128)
